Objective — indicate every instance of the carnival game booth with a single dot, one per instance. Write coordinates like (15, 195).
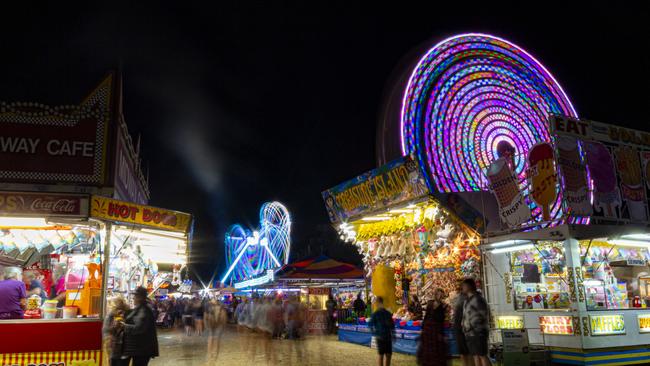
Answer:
(69, 242)
(314, 280)
(410, 244)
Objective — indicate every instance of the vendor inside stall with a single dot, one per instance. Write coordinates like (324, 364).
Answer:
(59, 264)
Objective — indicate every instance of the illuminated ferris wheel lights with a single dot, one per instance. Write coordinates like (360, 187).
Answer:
(468, 93)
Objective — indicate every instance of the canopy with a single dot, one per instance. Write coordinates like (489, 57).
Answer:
(320, 268)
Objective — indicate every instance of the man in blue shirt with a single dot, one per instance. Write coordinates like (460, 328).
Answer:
(35, 286)
(382, 327)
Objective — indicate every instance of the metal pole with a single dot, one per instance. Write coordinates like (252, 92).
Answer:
(107, 249)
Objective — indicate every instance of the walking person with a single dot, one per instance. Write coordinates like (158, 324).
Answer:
(457, 322)
(331, 306)
(114, 331)
(216, 317)
(140, 338)
(198, 316)
(432, 350)
(188, 318)
(277, 319)
(475, 323)
(382, 327)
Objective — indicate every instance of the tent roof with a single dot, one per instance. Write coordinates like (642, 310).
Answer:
(321, 267)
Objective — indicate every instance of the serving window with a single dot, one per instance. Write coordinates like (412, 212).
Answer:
(616, 274)
(58, 264)
(539, 277)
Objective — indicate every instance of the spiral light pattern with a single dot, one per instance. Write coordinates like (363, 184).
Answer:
(248, 255)
(467, 94)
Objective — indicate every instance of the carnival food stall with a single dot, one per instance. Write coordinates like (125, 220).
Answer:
(578, 282)
(95, 248)
(410, 244)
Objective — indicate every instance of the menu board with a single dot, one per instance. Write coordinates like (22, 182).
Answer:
(556, 325)
(611, 324)
(510, 322)
(644, 323)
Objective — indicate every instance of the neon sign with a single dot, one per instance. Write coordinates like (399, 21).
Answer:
(644, 323)
(266, 278)
(613, 324)
(251, 254)
(556, 325)
(510, 322)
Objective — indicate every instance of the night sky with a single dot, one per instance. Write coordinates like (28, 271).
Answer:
(238, 105)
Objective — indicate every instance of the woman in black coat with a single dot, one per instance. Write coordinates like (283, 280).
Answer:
(140, 338)
(432, 350)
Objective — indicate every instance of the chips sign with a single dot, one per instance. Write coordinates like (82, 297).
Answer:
(110, 209)
(396, 182)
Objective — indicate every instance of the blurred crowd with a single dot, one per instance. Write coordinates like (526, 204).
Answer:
(274, 316)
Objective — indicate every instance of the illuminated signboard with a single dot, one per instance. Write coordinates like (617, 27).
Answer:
(510, 322)
(644, 323)
(266, 278)
(556, 325)
(607, 324)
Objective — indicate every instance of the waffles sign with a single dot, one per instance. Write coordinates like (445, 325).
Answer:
(114, 210)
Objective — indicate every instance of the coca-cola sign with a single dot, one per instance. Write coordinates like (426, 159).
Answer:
(43, 204)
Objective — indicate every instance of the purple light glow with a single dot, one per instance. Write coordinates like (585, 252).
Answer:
(468, 93)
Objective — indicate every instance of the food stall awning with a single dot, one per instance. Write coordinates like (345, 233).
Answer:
(319, 268)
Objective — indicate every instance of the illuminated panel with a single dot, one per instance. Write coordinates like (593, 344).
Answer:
(644, 323)
(510, 322)
(260, 280)
(251, 254)
(556, 325)
(468, 94)
(611, 324)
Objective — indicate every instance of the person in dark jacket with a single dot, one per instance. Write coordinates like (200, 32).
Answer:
(359, 306)
(383, 329)
(114, 331)
(432, 350)
(140, 338)
(331, 306)
(476, 323)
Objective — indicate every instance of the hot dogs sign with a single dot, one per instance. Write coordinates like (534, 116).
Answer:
(589, 169)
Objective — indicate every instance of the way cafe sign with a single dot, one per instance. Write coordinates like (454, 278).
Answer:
(114, 210)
